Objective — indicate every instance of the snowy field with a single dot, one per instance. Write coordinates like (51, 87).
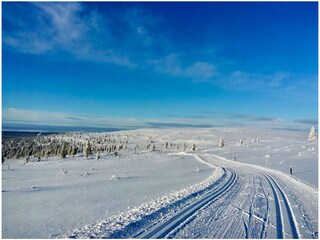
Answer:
(143, 189)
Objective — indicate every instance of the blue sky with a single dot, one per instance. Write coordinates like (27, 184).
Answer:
(159, 64)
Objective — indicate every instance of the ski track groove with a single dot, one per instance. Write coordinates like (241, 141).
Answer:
(280, 231)
(234, 226)
(229, 220)
(287, 211)
(266, 219)
(165, 228)
(223, 206)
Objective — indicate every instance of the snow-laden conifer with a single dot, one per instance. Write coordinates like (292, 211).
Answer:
(63, 150)
(221, 143)
(313, 135)
(88, 149)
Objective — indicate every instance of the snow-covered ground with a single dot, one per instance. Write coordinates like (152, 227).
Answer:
(118, 196)
(47, 198)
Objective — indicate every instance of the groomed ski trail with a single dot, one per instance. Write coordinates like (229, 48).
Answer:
(244, 202)
(162, 229)
(257, 207)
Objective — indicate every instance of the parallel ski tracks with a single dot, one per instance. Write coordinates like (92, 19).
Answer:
(285, 219)
(162, 229)
(237, 205)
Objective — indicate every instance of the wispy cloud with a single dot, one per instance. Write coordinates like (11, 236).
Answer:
(33, 118)
(172, 66)
(14, 115)
(236, 116)
(71, 28)
(197, 116)
(23, 116)
(249, 117)
(177, 125)
(56, 26)
(129, 37)
(248, 81)
(307, 121)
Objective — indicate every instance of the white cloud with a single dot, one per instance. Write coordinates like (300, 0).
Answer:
(66, 24)
(14, 115)
(198, 71)
(201, 71)
(124, 38)
(33, 117)
(67, 27)
(55, 25)
(246, 81)
(128, 38)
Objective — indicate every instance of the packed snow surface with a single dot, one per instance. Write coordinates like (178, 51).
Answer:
(242, 190)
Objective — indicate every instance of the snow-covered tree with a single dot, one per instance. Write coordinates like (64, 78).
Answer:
(136, 148)
(313, 135)
(70, 150)
(221, 143)
(46, 154)
(27, 159)
(193, 147)
(74, 150)
(97, 156)
(88, 149)
(63, 150)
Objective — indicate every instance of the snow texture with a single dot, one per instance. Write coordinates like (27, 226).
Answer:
(238, 191)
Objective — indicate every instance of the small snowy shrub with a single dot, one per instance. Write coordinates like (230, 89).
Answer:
(193, 147)
(221, 143)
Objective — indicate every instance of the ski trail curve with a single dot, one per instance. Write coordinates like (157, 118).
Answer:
(243, 201)
(162, 229)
